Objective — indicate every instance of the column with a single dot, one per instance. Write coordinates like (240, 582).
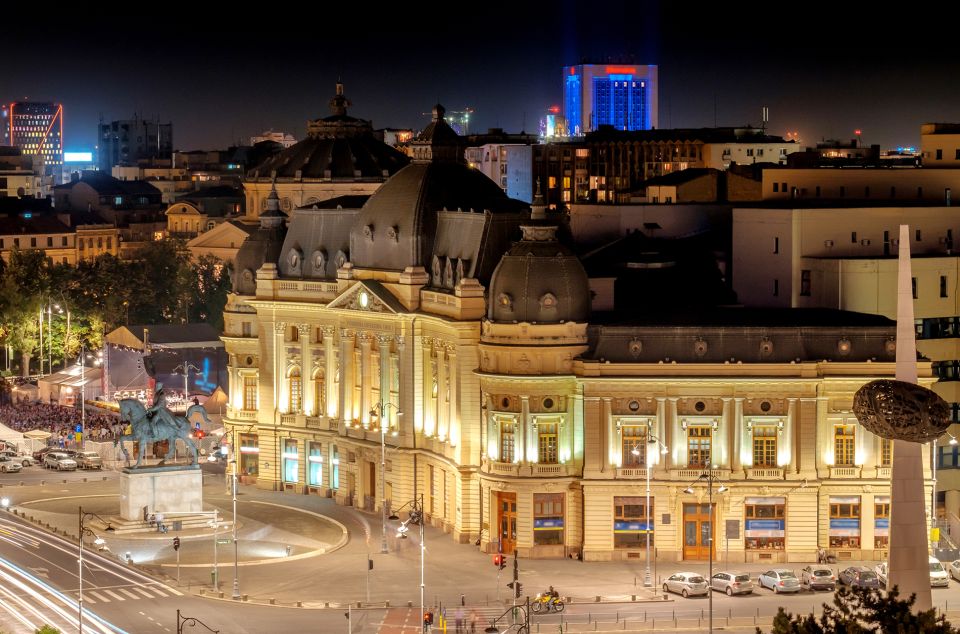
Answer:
(789, 433)
(746, 450)
(443, 412)
(608, 434)
(366, 345)
(389, 414)
(306, 371)
(429, 423)
(330, 358)
(678, 442)
(347, 345)
(734, 435)
(662, 459)
(454, 378)
(523, 430)
(279, 401)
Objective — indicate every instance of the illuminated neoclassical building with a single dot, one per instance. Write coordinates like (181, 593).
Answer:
(455, 320)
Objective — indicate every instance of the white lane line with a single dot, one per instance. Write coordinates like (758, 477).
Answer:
(144, 592)
(99, 596)
(86, 598)
(159, 591)
(115, 595)
(128, 593)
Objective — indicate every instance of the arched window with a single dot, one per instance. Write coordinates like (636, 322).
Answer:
(319, 393)
(296, 390)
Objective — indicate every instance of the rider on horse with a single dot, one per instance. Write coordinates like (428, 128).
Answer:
(159, 413)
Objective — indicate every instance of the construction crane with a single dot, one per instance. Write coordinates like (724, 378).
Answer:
(459, 120)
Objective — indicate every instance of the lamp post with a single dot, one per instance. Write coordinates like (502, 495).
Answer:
(416, 516)
(379, 410)
(82, 515)
(83, 392)
(651, 442)
(709, 477)
(185, 367)
(236, 577)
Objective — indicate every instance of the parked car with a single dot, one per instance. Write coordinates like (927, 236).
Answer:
(732, 583)
(780, 580)
(8, 465)
(938, 574)
(23, 459)
(88, 460)
(686, 584)
(881, 571)
(859, 577)
(818, 577)
(40, 453)
(954, 569)
(59, 461)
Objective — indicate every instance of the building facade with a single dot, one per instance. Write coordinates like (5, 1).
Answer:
(467, 352)
(127, 141)
(37, 129)
(619, 95)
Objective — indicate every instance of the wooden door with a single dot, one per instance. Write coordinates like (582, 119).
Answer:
(507, 521)
(698, 535)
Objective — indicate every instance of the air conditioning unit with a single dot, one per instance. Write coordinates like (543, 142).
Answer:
(865, 242)
(828, 243)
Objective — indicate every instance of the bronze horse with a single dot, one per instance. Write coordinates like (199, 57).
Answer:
(147, 431)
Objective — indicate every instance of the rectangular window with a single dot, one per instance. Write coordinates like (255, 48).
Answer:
(633, 438)
(33, 242)
(63, 241)
(698, 445)
(844, 521)
(294, 333)
(249, 454)
(632, 524)
(764, 526)
(853, 237)
(913, 284)
(334, 467)
(547, 519)
(817, 190)
(764, 446)
(844, 437)
(246, 329)
(956, 155)
(783, 187)
(918, 234)
(843, 192)
(943, 286)
(250, 393)
(881, 522)
(776, 288)
(547, 443)
(940, 155)
(315, 465)
(776, 188)
(776, 245)
(49, 242)
(291, 462)
(296, 391)
(805, 283)
(507, 427)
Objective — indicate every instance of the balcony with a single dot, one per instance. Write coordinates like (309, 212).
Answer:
(634, 473)
(541, 470)
(288, 419)
(765, 473)
(242, 414)
(846, 472)
(503, 468)
(883, 472)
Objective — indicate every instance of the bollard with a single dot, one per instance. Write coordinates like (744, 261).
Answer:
(386, 604)
(299, 604)
(245, 597)
(273, 601)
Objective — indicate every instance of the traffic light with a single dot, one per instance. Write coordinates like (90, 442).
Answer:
(176, 543)
(517, 588)
(500, 561)
(428, 618)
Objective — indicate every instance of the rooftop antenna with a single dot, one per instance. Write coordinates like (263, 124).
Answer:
(765, 118)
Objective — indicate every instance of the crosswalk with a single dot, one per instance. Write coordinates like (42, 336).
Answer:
(112, 594)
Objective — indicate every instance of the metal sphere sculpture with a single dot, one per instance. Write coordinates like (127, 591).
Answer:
(901, 411)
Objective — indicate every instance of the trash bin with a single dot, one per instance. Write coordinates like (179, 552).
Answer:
(213, 577)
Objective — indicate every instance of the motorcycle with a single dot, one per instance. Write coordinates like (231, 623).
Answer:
(542, 603)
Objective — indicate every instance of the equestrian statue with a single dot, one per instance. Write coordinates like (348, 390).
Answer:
(156, 424)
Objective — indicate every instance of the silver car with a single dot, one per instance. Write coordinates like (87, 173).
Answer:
(88, 460)
(780, 580)
(732, 583)
(686, 584)
(26, 461)
(8, 465)
(818, 578)
(59, 461)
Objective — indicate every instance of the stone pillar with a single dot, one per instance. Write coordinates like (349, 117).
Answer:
(347, 346)
(453, 417)
(366, 372)
(734, 436)
(389, 414)
(609, 433)
(678, 441)
(443, 411)
(523, 430)
(330, 358)
(429, 422)
(789, 436)
(662, 459)
(739, 424)
(279, 355)
(306, 371)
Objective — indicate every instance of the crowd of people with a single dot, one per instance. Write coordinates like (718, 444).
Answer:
(60, 421)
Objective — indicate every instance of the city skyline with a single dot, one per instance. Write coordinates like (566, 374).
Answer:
(220, 83)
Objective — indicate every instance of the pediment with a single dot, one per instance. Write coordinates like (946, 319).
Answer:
(367, 296)
(220, 236)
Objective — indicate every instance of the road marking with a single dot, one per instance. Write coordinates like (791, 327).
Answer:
(159, 591)
(144, 593)
(87, 599)
(114, 595)
(128, 593)
(99, 596)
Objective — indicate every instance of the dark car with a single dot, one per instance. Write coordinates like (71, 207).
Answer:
(40, 453)
(859, 577)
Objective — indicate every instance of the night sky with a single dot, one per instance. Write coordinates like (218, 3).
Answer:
(821, 72)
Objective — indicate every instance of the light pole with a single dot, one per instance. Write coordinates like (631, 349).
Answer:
(96, 540)
(416, 516)
(83, 392)
(652, 441)
(236, 577)
(379, 412)
(709, 477)
(185, 367)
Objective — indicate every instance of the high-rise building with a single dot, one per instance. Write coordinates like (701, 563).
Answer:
(622, 96)
(36, 128)
(128, 141)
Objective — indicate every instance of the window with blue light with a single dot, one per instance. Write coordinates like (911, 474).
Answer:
(315, 470)
(572, 103)
(291, 462)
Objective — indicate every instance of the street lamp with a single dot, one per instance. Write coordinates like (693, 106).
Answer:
(185, 368)
(83, 391)
(709, 477)
(96, 540)
(236, 576)
(415, 516)
(378, 411)
(652, 441)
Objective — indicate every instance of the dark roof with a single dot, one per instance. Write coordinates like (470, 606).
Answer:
(678, 178)
(37, 223)
(746, 134)
(12, 204)
(107, 185)
(353, 201)
(220, 191)
(748, 317)
(176, 333)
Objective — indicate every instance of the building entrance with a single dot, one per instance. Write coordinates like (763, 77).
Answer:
(507, 521)
(697, 531)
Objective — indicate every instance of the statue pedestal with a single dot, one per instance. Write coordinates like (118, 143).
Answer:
(161, 490)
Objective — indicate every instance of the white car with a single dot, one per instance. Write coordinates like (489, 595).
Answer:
(881, 570)
(939, 578)
(686, 584)
(954, 569)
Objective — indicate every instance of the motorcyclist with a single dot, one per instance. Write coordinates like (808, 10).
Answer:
(551, 596)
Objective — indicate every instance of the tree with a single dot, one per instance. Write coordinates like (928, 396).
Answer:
(210, 285)
(864, 611)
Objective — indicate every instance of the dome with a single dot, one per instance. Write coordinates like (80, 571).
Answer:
(539, 281)
(397, 225)
(337, 147)
(263, 245)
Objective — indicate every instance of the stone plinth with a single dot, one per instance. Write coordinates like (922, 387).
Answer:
(161, 490)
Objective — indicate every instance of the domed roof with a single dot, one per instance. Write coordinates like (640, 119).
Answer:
(263, 245)
(336, 147)
(397, 225)
(539, 280)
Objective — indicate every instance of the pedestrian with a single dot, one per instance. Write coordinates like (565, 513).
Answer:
(473, 621)
(458, 620)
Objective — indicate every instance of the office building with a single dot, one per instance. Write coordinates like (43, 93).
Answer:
(620, 95)
(126, 142)
(36, 127)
